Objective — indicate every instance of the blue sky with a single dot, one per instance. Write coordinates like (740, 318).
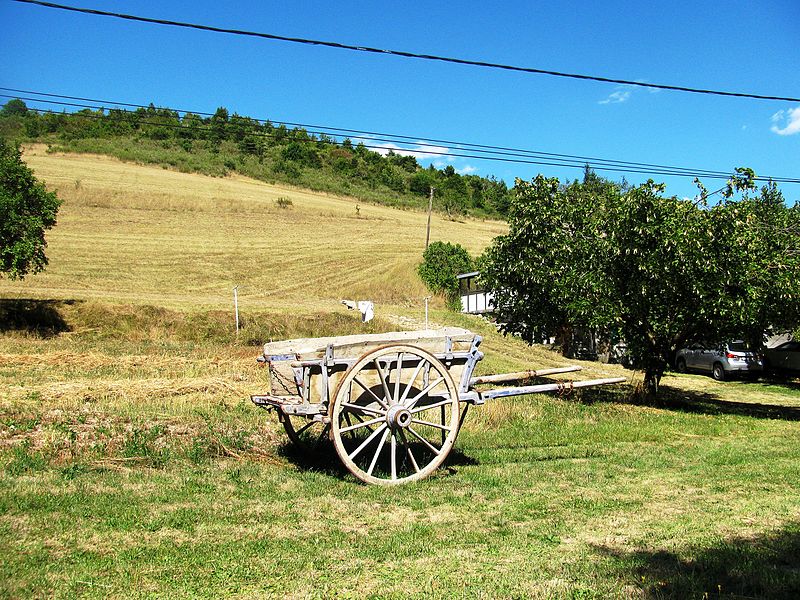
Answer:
(731, 45)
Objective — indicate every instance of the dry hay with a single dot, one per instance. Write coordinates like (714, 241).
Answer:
(132, 390)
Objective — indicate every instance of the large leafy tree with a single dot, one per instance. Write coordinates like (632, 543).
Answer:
(27, 209)
(655, 271)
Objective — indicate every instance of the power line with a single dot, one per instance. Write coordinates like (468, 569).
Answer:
(378, 136)
(578, 165)
(405, 54)
(495, 153)
(598, 163)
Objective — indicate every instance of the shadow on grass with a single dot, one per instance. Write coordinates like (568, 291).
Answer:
(767, 566)
(324, 460)
(694, 402)
(39, 317)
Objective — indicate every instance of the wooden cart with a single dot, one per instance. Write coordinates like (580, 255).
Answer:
(391, 403)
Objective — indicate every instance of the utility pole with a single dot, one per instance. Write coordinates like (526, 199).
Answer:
(430, 208)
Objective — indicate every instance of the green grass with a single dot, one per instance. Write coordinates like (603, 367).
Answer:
(191, 491)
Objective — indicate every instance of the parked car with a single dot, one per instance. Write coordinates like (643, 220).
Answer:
(783, 358)
(733, 358)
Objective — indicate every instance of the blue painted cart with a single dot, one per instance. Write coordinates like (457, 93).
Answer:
(391, 403)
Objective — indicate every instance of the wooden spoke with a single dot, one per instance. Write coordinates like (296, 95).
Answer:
(361, 424)
(444, 419)
(424, 441)
(305, 427)
(349, 421)
(366, 442)
(394, 456)
(429, 424)
(408, 450)
(371, 393)
(399, 369)
(419, 409)
(386, 393)
(411, 382)
(427, 389)
(306, 434)
(357, 416)
(366, 409)
(378, 452)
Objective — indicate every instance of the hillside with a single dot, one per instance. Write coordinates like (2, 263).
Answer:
(368, 168)
(145, 234)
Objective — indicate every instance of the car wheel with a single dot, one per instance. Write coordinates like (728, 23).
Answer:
(680, 365)
(718, 372)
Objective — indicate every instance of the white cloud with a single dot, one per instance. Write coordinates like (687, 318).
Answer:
(420, 151)
(617, 97)
(650, 90)
(792, 119)
(466, 170)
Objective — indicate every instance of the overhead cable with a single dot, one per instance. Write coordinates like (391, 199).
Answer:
(405, 54)
(564, 163)
(373, 135)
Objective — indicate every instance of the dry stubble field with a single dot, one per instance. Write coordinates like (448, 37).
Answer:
(143, 234)
(134, 465)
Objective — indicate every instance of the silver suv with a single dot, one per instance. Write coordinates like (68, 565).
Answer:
(733, 358)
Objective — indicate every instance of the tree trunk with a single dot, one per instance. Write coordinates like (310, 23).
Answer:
(564, 338)
(652, 375)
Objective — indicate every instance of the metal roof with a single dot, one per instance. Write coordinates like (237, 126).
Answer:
(467, 275)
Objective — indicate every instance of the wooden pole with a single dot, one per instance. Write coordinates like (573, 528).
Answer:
(430, 208)
(236, 306)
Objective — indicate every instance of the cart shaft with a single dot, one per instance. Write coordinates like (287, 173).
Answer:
(522, 375)
(561, 386)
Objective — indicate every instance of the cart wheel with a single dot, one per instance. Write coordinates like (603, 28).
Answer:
(395, 415)
(307, 435)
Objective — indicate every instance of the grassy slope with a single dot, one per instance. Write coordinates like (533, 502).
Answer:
(133, 465)
(180, 239)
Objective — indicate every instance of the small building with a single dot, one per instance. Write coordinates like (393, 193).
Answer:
(475, 299)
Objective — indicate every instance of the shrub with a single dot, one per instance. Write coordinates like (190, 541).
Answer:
(441, 262)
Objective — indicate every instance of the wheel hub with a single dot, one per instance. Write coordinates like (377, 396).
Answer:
(398, 417)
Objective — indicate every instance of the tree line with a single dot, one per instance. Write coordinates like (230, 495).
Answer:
(278, 152)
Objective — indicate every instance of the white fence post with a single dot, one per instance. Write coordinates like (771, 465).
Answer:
(236, 306)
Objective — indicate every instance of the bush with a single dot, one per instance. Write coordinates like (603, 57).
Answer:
(441, 262)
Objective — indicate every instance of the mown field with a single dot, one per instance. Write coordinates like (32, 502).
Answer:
(132, 463)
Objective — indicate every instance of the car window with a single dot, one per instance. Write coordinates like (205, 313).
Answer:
(739, 346)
